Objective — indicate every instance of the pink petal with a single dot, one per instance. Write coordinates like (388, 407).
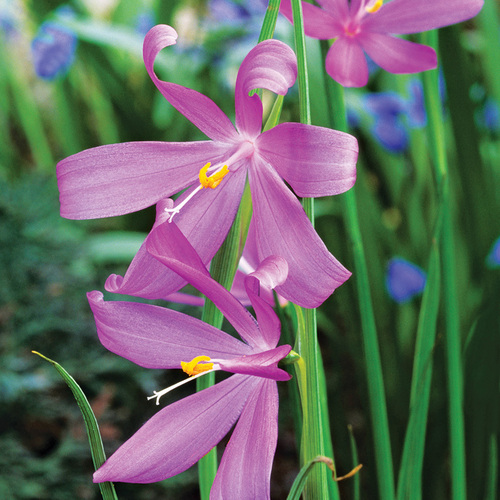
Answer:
(157, 337)
(346, 63)
(397, 55)
(245, 469)
(197, 108)
(123, 178)
(270, 65)
(282, 228)
(271, 273)
(179, 435)
(409, 16)
(262, 364)
(319, 23)
(185, 298)
(315, 161)
(167, 244)
(205, 221)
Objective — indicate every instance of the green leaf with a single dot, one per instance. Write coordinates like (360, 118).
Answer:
(96, 447)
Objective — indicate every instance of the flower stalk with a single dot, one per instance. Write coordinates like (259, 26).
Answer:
(450, 299)
(315, 433)
(374, 374)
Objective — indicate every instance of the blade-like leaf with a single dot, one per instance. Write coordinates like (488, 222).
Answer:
(96, 447)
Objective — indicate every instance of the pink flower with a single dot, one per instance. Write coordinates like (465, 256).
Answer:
(315, 161)
(368, 25)
(183, 432)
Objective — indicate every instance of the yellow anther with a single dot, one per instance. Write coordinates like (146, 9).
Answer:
(194, 367)
(213, 180)
(371, 9)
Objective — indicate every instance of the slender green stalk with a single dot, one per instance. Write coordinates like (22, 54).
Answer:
(356, 490)
(450, 300)
(374, 374)
(492, 478)
(410, 473)
(488, 22)
(269, 23)
(315, 436)
(222, 268)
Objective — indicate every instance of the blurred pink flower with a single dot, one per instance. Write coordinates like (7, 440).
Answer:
(368, 25)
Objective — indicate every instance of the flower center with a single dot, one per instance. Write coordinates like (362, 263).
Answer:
(197, 365)
(217, 173)
(352, 29)
(212, 181)
(372, 7)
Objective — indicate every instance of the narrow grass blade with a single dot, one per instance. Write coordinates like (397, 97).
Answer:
(354, 452)
(96, 447)
(374, 374)
(448, 265)
(410, 472)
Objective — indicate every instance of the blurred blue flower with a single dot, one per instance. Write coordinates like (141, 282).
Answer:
(7, 25)
(493, 259)
(144, 22)
(488, 116)
(9, 18)
(404, 280)
(231, 11)
(388, 109)
(53, 48)
(417, 117)
(235, 24)
(353, 117)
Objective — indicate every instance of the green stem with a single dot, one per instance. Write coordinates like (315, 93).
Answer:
(269, 23)
(374, 374)
(315, 435)
(410, 475)
(222, 268)
(450, 299)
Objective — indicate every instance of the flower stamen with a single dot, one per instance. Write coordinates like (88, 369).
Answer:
(195, 368)
(196, 365)
(213, 180)
(371, 9)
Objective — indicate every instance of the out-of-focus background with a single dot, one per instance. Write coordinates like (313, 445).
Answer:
(72, 77)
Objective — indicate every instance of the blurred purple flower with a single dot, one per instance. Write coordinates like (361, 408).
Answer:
(230, 12)
(53, 48)
(404, 280)
(488, 116)
(368, 26)
(388, 109)
(180, 434)
(144, 22)
(417, 116)
(315, 161)
(493, 259)
(7, 25)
